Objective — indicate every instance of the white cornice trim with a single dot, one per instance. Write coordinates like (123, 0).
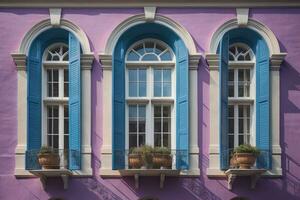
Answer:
(20, 61)
(55, 15)
(45, 25)
(194, 61)
(159, 19)
(137, 3)
(242, 15)
(150, 13)
(262, 29)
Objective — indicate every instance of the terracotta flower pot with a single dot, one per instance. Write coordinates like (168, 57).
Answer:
(233, 162)
(49, 160)
(245, 160)
(135, 161)
(162, 161)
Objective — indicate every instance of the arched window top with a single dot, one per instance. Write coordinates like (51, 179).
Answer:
(57, 52)
(240, 52)
(150, 50)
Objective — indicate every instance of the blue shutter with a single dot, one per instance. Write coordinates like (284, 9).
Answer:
(224, 151)
(34, 105)
(74, 104)
(262, 105)
(182, 106)
(118, 154)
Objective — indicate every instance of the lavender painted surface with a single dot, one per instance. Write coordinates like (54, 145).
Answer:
(201, 23)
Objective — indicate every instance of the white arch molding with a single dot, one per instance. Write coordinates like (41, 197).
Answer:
(159, 19)
(44, 25)
(276, 58)
(87, 58)
(106, 60)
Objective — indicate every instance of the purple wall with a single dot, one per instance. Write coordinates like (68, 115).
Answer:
(201, 23)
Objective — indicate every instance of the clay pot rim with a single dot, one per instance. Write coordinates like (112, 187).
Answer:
(245, 154)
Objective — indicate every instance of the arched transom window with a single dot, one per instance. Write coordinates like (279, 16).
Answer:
(150, 95)
(241, 95)
(56, 96)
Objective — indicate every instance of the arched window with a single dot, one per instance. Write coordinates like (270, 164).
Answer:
(55, 84)
(150, 95)
(241, 95)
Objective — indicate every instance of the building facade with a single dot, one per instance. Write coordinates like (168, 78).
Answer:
(95, 80)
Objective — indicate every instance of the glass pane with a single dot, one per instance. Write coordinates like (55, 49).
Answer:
(157, 75)
(241, 74)
(132, 89)
(142, 139)
(230, 75)
(49, 75)
(149, 47)
(159, 49)
(49, 126)
(166, 56)
(167, 140)
(167, 75)
(142, 89)
(167, 125)
(132, 56)
(157, 111)
(241, 111)
(132, 140)
(231, 90)
(167, 89)
(132, 126)
(142, 111)
(140, 49)
(150, 57)
(55, 111)
(241, 90)
(230, 111)
(55, 75)
(157, 125)
(132, 75)
(142, 75)
(49, 140)
(142, 126)
(66, 142)
(241, 139)
(157, 89)
(66, 83)
(230, 125)
(241, 125)
(157, 140)
(55, 126)
(133, 111)
(55, 89)
(167, 111)
(231, 142)
(55, 141)
(50, 90)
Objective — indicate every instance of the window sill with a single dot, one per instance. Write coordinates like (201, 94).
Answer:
(217, 173)
(136, 173)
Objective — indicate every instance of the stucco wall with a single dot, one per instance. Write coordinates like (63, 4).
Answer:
(201, 23)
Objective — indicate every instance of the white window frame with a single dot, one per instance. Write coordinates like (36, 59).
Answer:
(150, 100)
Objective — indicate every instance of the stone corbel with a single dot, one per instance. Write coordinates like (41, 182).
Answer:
(276, 60)
(213, 61)
(106, 61)
(86, 61)
(194, 61)
(20, 61)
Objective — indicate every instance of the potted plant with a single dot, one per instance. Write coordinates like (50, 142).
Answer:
(246, 155)
(135, 158)
(48, 158)
(162, 158)
(147, 156)
(233, 161)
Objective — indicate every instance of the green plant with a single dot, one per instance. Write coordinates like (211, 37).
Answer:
(247, 148)
(48, 150)
(146, 153)
(162, 150)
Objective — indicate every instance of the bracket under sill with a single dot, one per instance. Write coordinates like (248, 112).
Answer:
(44, 174)
(254, 174)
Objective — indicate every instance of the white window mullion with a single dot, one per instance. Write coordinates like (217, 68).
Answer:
(236, 125)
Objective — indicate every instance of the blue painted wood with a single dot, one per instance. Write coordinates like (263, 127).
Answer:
(182, 106)
(74, 104)
(34, 128)
(223, 122)
(263, 140)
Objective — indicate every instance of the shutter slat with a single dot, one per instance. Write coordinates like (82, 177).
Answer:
(224, 151)
(182, 106)
(34, 105)
(74, 104)
(263, 105)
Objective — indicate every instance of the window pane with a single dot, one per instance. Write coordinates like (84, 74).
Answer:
(157, 140)
(241, 125)
(132, 56)
(133, 111)
(132, 75)
(132, 140)
(132, 89)
(230, 75)
(55, 141)
(231, 141)
(230, 125)
(167, 125)
(66, 141)
(157, 125)
(142, 139)
(157, 75)
(132, 126)
(167, 111)
(157, 111)
(66, 83)
(142, 89)
(142, 126)
(55, 89)
(230, 111)
(55, 75)
(157, 89)
(231, 90)
(167, 89)
(150, 57)
(241, 90)
(167, 140)
(166, 56)
(142, 111)
(167, 75)
(140, 49)
(241, 139)
(50, 143)
(142, 75)
(149, 47)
